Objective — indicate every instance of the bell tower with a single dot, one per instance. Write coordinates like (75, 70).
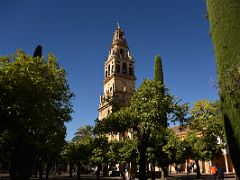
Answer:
(119, 76)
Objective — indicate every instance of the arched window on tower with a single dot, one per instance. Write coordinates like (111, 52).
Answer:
(124, 68)
(131, 71)
(105, 74)
(122, 53)
(112, 68)
(117, 68)
(108, 70)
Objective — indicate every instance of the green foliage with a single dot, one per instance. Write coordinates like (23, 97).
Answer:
(173, 148)
(158, 71)
(35, 102)
(224, 18)
(146, 115)
(206, 137)
(128, 150)
(207, 119)
(79, 151)
(146, 112)
(84, 134)
(204, 140)
(100, 150)
(201, 147)
(113, 153)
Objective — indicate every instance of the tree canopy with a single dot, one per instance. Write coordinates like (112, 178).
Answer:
(145, 115)
(35, 103)
(205, 138)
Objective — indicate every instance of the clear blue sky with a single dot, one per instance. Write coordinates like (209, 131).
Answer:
(79, 33)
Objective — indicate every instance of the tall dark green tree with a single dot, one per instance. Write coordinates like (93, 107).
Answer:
(36, 101)
(224, 18)
(158, 70)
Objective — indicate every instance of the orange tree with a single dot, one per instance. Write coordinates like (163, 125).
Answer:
(145, 115)
(35, 102)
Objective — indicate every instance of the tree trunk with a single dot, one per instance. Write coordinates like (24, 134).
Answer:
(70, 170)
(165, 171)
(142, 162)
(133, 170)
(36, 168)
(153, 171)
(224, 18)
(22, 160)
(105, 170)
(78, 170)
(40, 172)
(198, 169)
(98, 171)
(47, 170)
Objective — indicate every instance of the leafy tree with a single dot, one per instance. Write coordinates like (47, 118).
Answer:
(113, 154)
(35, 101)
(77, 154)
(205, 138)
(166, 148)
(79, 150)
(48, 150)
(206, 118)
(99, 156)
(69, 156)
(129, 154)
(146, 114)
(224, 18)
(174, 149)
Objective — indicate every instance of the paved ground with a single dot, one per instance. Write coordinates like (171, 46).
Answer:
(205, 177)
(171, 177)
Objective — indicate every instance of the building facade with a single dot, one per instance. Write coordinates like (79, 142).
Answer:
(119, 77)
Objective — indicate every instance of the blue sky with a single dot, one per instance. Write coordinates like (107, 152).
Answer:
(80, 33)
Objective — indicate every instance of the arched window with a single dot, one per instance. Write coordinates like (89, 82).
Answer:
(124, 68)
(117, 68)
(112, 68)
(121, 52)
(131, 72)
(108, 70)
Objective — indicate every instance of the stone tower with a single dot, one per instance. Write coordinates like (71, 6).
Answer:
(119, 77)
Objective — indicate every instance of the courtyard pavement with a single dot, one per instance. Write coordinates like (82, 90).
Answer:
(182, 176)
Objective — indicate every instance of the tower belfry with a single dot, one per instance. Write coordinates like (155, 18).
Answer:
(119, 77)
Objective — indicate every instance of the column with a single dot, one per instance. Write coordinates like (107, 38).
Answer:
(226, 162)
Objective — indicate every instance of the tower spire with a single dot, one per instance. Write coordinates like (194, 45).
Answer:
(118, 26)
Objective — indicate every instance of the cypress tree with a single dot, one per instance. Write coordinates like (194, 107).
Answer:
(224, 18)
(158, 76)
(38, 51)
(158, 72)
